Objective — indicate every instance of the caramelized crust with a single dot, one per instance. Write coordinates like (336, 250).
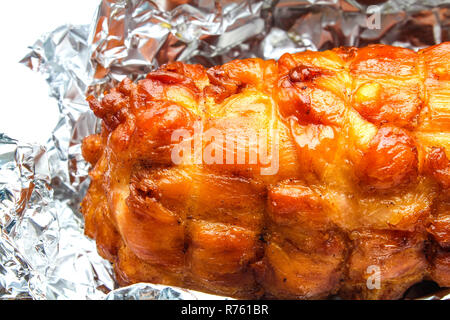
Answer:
(390, 161)
(361, 181)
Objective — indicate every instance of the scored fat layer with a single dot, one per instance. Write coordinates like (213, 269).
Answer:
(362, 178)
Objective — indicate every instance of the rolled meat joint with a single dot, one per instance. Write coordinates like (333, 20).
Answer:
(321, 174)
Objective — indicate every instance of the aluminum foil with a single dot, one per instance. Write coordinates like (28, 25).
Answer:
(43, 251)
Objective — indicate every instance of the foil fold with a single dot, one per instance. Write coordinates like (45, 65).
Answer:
(43, 251)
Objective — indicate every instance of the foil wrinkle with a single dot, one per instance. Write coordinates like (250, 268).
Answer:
(44, 253)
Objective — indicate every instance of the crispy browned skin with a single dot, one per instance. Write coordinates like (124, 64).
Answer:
(363, 178)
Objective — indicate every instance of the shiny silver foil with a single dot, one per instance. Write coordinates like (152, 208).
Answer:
(43, 251)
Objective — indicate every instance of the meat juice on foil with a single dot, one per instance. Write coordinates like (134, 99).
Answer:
(43, 251)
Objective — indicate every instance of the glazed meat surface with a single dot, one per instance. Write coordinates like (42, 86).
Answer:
(350, 197)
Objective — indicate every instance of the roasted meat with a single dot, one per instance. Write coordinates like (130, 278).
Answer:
(321, 174)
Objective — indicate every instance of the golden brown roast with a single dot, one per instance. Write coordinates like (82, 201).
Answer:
(350, 195)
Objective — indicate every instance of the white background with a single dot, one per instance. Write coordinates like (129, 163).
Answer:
(27, 112)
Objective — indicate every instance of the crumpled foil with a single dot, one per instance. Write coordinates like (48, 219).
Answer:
(43, 251)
